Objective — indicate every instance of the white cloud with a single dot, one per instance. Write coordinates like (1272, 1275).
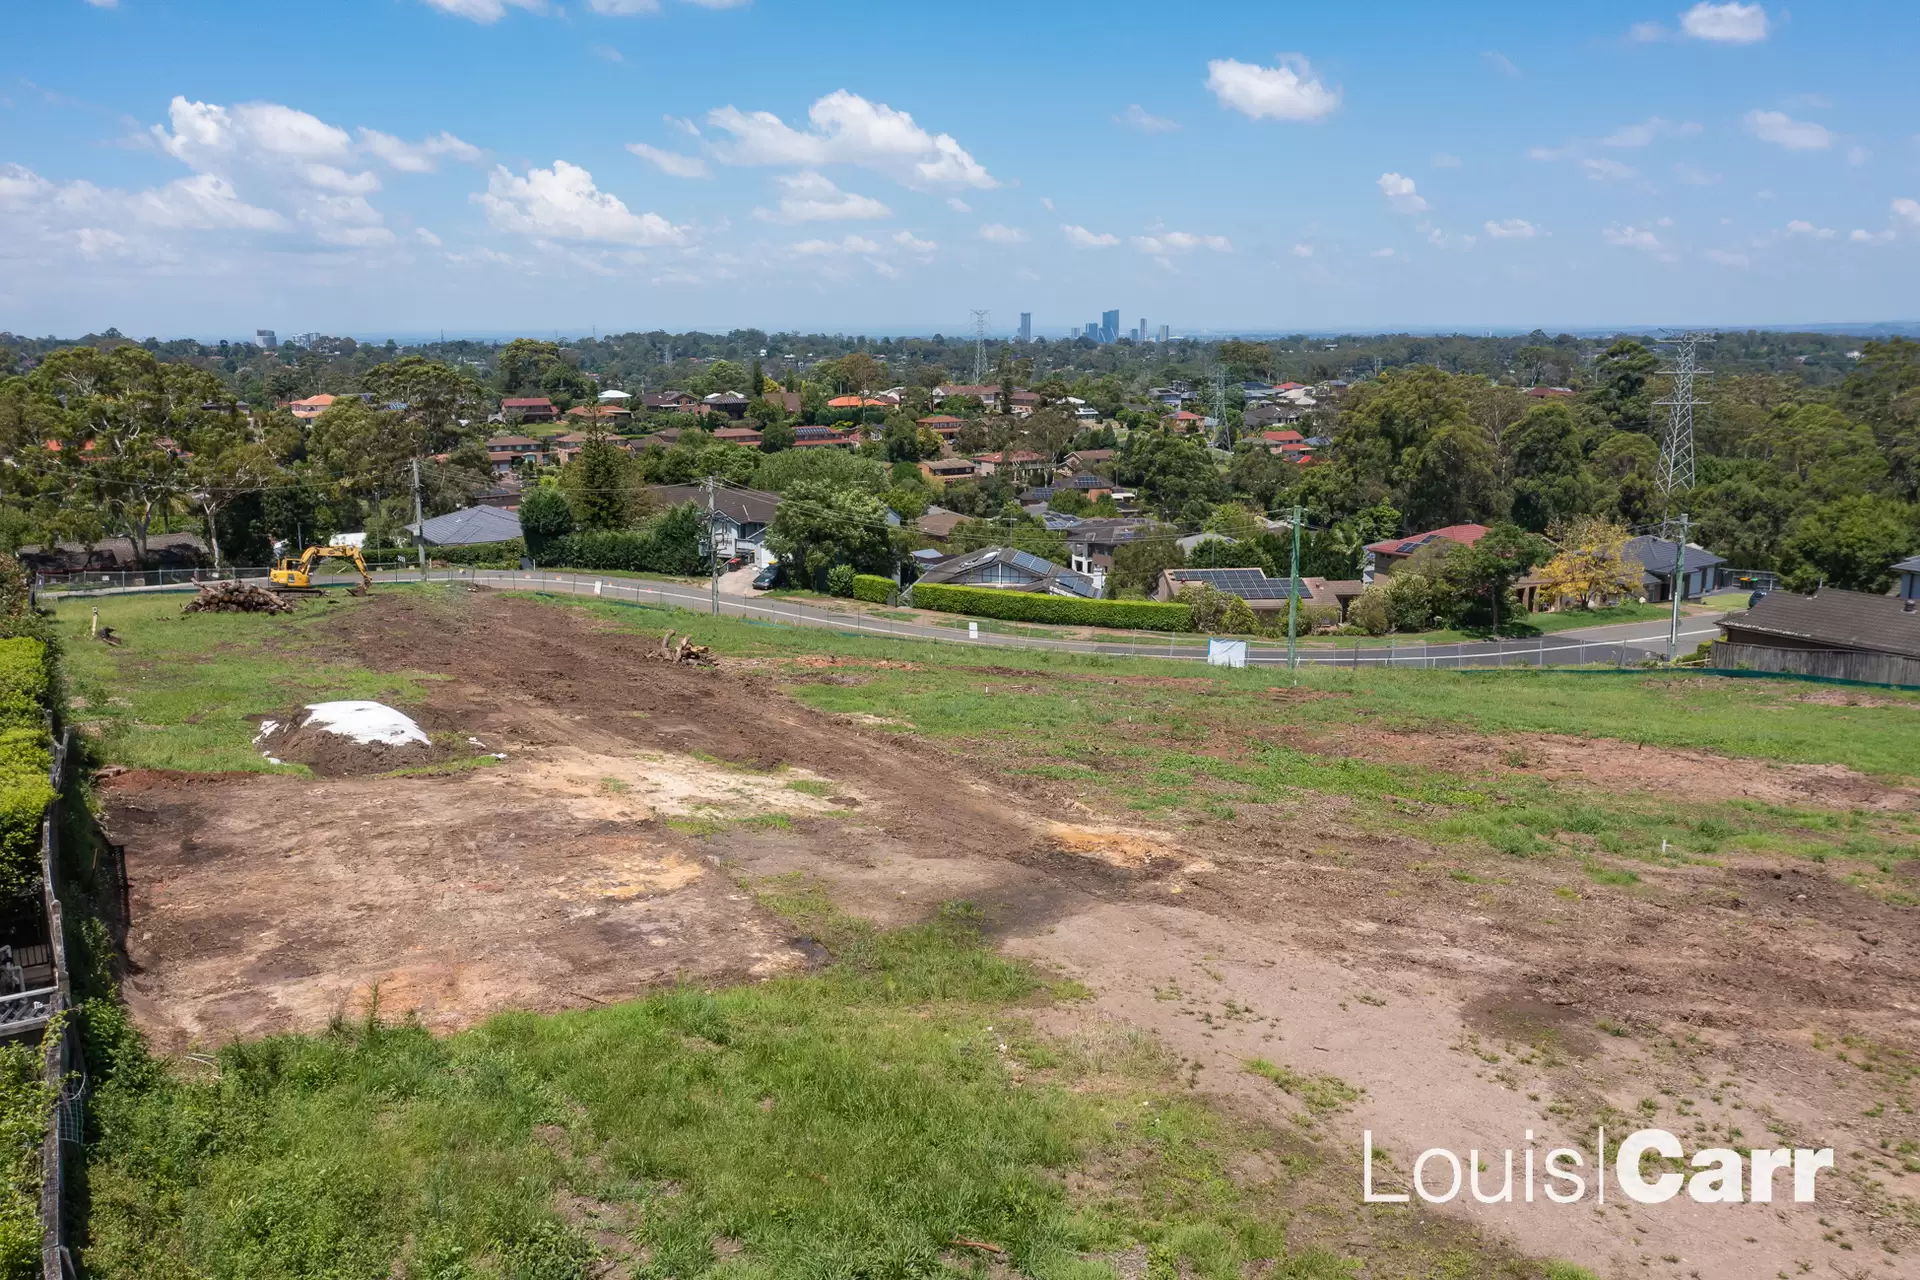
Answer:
(683, 124)
(1303, 251)
(912, 244)
(484, 10)
(1858, 155)
(1444, 160)
(562, 203)
(848, 129)
(1166, 242)
(1288, 91)
(1138, 117)
(1381, 253)
(1601, 169)
(417, 157)
(1499, 62)
(206, 136)
(1732, 23)
(808, 196)
(1643, 133)
(1046, 204)
(104, 4)
(1513, 229)
(850, 244)
(1783, 130)
(671, 163)
(958, 205)
(1871, 237)
(999, 233)
(1801, 227)
(1726, 258)
(1400, 193)
(1632, 238)
(607, 53)
(1548, 154)
(426, 237)
(1445, 240)
(1081, 238)
(1908, 209)
(623, 8)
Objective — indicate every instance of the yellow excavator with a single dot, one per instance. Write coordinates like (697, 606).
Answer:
(295, 577)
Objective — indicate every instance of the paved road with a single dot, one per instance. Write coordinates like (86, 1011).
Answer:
(1627, 644)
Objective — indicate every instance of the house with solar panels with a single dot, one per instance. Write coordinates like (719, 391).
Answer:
(1267, 597)
(1006, 569)
(1384, 555)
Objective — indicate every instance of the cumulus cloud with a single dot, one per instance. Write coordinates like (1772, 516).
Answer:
(812, 197)
(1081, 238)
(1400, 193)
(623, 8)
(912, 243)
(563, 204)
(99, 222)
(958, 205)
(1601, 169)
(1513, 229)
(1801, 227)
(848, 244)
(1630, 237)
(1871, 237)
(484, 10)
(1725, 23)
(999, 233)
(1380, 253)
(1288, 91)
(845, 128)
(1783, 130)
(417, 157)
(671, 163)
(1163, 243)
(1138, 117)
(1908, 210)
(1303, 251)
(1643, 133)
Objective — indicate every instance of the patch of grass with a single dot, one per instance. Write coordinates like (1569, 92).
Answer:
(463, 764)
(855, 1122)
(1320, 1094)
(1611, 875)
(812, 787)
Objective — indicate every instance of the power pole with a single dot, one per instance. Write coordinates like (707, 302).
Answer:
(980, 348)
(419, 524)
(713, 549)
(1293, 601)
(1679, 587)
(1220, 403)
(1676, 447)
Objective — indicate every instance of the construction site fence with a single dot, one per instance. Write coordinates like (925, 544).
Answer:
(55, 582)
(65, 1068)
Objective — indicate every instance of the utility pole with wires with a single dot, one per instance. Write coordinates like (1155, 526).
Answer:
(980, 347)
(419, 523)
(1679, 583)
(1220, 405)
(713, 549)
(1676, 446)
(1293, 601)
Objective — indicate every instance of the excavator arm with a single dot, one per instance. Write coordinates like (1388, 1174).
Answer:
(297, 575)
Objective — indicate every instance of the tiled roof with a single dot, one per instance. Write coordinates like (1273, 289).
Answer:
(1464, 534)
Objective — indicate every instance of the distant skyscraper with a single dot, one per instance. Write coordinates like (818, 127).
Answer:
(265, 338)
(1093, 331)
(1145, 336)
(1109, 326)
(1163, 332)
(1133, 335)
(1026, 326)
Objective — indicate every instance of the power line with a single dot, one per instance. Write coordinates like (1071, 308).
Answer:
(980, 347)
(1676, 446)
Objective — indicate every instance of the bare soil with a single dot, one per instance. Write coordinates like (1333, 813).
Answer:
(1469, 999)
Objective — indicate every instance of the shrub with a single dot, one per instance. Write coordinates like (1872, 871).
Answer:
(668, 543)
(1239, 619)
(1207, 604)
(26, 677)
(1028, 606)
(545, 518)
(25, 683)
(484, 555)
(840, 580)
(873, 588)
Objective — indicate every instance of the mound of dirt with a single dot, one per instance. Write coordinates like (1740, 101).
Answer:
(343, 739)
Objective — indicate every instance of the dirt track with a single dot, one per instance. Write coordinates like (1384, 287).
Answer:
(580, 871)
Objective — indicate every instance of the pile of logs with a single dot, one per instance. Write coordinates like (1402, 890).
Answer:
(237, 597)
(683, 650)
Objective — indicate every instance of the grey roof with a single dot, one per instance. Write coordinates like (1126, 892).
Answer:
(1831, 619)
(1910, 565)
(1248, 584)
(1193, 540)
(469, 526)
(1655, 556)
(1106, 529)
(742, 506)
(1046, 574)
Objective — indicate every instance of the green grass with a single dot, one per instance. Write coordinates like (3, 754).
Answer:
(183, 690)
(852, 1123)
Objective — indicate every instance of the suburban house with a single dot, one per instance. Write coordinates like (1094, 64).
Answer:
(1550, 393)
(1092, 542)
(468, 527)
(528, 409)
(749, 436)
(1909, 571)
(1187, 420)
(1006, 569)
(1267, 597)
(1093, 487)
(944, 425)
(1386, 554)
(1655, 557)
(740, 516)
(823, 438)
(942, 470)
(1846, 634)
(938, 523)
(504, 452)
(731, 403)
(1016, 466)
(790, 402)
(1088, 459)
(310, 408)
(607, 415)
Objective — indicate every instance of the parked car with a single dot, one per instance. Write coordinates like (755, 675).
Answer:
(768, 578)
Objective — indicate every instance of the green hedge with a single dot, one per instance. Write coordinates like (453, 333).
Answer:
(667, 543)
(1029, 606)
(873, 588)
(26, 680)
(484, 555)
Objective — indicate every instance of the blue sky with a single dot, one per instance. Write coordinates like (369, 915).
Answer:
(206, 167)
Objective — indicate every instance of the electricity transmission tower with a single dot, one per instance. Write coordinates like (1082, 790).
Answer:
(1225, 439)
(980, 347)
(1676, 446)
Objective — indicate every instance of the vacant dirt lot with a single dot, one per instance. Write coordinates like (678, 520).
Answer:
(1744, 1004)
